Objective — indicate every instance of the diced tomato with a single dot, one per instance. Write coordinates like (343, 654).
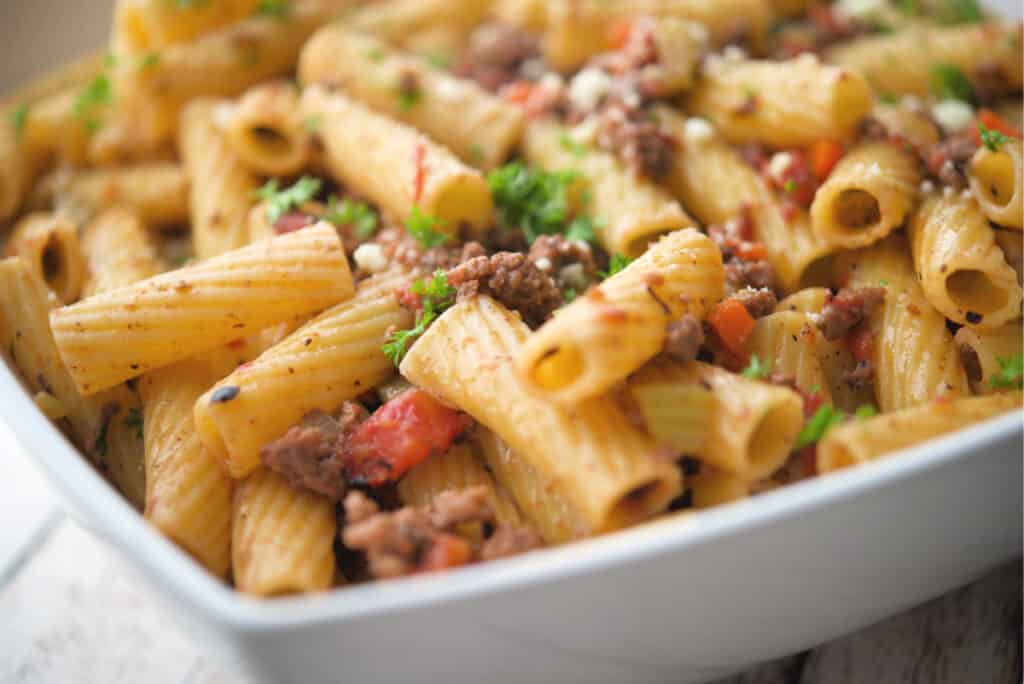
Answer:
(861, 343)
(408, 299)
(824, 155)
(795, 180)
(751, 251)
(618, 33)
(400, 434)
(419, 154)
(993, 122)
(809, 460)
(519, 92)
(293, 221)
(446, 551)
(733, 325)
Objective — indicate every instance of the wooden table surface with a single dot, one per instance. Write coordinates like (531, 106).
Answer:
(71, 610)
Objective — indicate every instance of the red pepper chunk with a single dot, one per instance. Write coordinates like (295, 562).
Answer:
(399, 435)
(419, 154)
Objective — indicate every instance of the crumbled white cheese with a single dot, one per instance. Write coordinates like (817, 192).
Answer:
(223, 115)
(543, 264)
(370, 257)
(573, 275)
(585, 132)
(779, 164)
(551, 81)
(966, 194)
(948, 192)
(808, 59)
(588, 87)
(734, 53)
(860, 9)
(697, 31)
(874, 169)
(449, 88)
(632, 99)
(911, 102)
(532, 69)
(953, 115)
(927, 187)
(697, 130)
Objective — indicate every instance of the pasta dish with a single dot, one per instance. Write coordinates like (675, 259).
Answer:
(338, 291)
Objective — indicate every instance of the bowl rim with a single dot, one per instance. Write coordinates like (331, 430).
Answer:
(175, 573)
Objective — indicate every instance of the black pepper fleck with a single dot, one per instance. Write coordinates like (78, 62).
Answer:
(973, 317)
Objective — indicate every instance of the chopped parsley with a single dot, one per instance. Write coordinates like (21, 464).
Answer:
(789, 187)
(134, 421)
(348, 212)
(537, 202)
(477, 153)
(756, 369)
(438, 59)
(278, 9)
(576, 149)
(312, 123)
(109, 60)
(823, 420)
(407, 99)
(616, 263)
(569, 295)
(888, 98)
(948, 82)
(18, 117)
(421, 226)
(1011, 373)
(149, 60)
(375, 54)
(960, 12)
(190, 4)
(94, 96)
(909, 7)
(992, 139)
(865, 411)
(280, 202)
(436, 295)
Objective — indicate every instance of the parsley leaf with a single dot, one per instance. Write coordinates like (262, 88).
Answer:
(149, 60)
(95, 95)
(576, 149)
(823, 420)
(375, 54)
(280, 202)
(616, 264)
(909, 7)
(438, 59)
(948, 82)
(960, 12)
(437, 296)
(1011, 373)
(134, 421)
(421, 226)
(756, 370)
(18, 116)
(407, 99)
(992, 139)
(348, 212)
(569, 295)
(279, 9)
(537, 201)
(312, 123)
(865, 411)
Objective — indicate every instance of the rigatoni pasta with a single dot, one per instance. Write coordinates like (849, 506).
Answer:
(117, 251)
(997, 179)
(49, 245)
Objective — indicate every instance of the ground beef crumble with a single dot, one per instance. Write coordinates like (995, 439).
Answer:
(637, 140)
(513, 280)
(399, 542)
(847, 309)
(495, 55)
(860, 375)
(684, 338)
(311, 454)
(946, 161)
(401, 248)
(570, 262)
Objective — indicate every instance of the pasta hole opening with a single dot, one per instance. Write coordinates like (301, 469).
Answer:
(639, 502)
(974, 291)
(52, 260)
(270, 141)
(558, 368)
(637, 246)
(857, 210)
(836, 458)
(459, 206)
(971, 363)
(995, 178)
(770, 440)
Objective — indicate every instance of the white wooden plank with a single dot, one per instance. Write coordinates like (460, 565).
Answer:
(26, 501)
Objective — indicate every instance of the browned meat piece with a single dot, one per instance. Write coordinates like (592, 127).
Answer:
(310, 454)
(847, 309)
(402, 248)
(395, 542)
(511, 279)
(637, 140)
(510, 540)
(684, 338)
(872, 129)
(740, 274)
(569, 262)
(495, 54)
(861, 375)
(758, 303)
(947, 160)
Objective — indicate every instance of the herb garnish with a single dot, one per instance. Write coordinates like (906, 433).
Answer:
(1011, 373)
(348, 212)
(18, 118)
(421, 226)
(279, 9)
(436, 295)
(991, 138)
(280, 202)
(95, 95)
(538, 202)
(134, 421)
(756, 369)
(948, 82)
(616, 263)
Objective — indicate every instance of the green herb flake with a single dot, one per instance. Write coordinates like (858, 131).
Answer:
(280, 202)
(477, 153)
(94, 96)
(865, 411)
(1011, 373)
(789, 187)
(312, 123)
(149, 60)
(574, 148)
(18, 117)
(538, 202)
(823, 420)
(616, 263)
(278, 9)
(569, 295)
(992, 139)
(582, 229)
(407, 99)
(756, 369)
(436, 296)
(348, 212)
(948, 82)
(888, 98)
(960, 12)
(134, 421)
(422, 227)
(438, 59)
(375, 54)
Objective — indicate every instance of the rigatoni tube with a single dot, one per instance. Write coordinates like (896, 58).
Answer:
(50, 246)
(997, 181)
(604, 336)
(396, 166)
(121, 334)
(266, 131)
(118, 251)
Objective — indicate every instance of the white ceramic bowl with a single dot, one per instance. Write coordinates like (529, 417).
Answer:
(680, 600)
